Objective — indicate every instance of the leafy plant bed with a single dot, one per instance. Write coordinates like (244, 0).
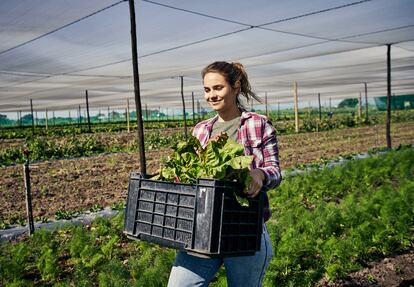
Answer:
(329, 223)
(92, 255)
(46, 148)
(325, 224)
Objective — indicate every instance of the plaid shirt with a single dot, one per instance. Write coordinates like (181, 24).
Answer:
(258, 136)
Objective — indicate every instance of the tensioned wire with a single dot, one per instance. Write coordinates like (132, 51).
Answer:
(217, 36)
(62, 27)
(72, 73)
(210, 37)
(263, 26)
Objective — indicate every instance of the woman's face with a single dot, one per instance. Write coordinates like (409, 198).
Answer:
(218, 92)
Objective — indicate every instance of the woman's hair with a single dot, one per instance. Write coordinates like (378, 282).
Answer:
(233, 72)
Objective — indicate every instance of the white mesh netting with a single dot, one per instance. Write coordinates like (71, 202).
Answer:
(51, 51)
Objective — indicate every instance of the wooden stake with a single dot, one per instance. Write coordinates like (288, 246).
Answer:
(46, 122)
(182, 98)
(127, 116)
(31, 110)
(295, 93)
(366, 102)
(388, 119)
(319, 104)
(192, 100)
(87, 111)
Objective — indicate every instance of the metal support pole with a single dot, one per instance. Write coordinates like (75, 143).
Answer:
(182, 98)
(140, 125)
(87, 111)
(360, 106)
(29, 209)
(267, 112)
(388, 119)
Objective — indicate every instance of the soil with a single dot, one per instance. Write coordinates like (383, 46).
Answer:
(394, 271)
(99, 181)
(92, 182)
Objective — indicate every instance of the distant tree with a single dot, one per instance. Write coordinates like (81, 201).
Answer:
(115, 115)
(5, 121)
(348, 103)
(27, 119)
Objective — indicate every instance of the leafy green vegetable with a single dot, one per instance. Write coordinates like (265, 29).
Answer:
(222, 158)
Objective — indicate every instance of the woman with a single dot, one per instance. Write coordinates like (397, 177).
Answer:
(224, 83)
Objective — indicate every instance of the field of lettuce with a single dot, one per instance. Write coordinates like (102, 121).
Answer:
(326, 223)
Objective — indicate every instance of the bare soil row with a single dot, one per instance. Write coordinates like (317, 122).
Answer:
(82, 183)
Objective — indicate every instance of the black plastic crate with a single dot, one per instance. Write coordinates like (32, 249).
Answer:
(202, 218)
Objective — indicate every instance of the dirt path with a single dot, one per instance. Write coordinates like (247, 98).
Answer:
(394, 271)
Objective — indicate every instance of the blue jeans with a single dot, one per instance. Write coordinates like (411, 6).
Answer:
(244, 271)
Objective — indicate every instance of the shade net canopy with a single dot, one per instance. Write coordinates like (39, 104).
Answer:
(52, 51)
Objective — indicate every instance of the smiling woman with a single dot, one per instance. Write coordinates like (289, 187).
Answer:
(224, 83)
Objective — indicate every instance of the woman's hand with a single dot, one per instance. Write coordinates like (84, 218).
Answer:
(258, 178)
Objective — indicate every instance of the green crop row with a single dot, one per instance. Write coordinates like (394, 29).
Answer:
(334, 221)
(310, 122)
(284, 122)
(81, 145)
(26, 132)
(325, 223)
(95, 255)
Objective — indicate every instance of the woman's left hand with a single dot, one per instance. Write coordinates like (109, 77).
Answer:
(258, 178)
